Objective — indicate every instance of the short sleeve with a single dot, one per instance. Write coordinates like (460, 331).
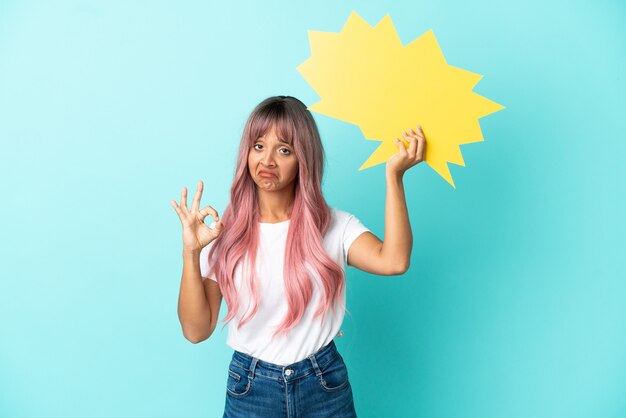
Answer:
(204, 263)
(353, 229)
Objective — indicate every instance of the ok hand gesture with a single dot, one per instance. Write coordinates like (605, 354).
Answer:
(196, 234)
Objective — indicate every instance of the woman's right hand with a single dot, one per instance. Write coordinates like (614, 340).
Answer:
(196, 234)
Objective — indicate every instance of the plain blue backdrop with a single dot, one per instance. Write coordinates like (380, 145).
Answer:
(515, 302)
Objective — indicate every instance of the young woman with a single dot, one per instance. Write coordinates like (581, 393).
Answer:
(278, 257)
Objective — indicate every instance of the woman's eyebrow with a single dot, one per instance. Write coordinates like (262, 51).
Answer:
(284, 141)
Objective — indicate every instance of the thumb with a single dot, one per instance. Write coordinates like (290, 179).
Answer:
(219, 225)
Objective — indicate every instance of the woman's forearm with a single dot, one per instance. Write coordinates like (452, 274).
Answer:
(193, 306)
(398, 239)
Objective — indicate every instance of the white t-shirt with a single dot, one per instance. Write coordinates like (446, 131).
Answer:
(308, 336)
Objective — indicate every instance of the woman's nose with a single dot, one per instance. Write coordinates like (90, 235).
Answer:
(268, 159)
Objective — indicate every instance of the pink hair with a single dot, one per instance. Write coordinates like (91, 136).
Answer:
(309, 220)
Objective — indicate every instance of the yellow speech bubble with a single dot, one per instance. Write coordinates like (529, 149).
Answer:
(365, 76)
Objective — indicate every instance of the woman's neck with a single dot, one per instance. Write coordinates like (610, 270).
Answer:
(275, 206)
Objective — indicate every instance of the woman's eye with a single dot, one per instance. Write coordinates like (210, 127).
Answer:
(284, 151)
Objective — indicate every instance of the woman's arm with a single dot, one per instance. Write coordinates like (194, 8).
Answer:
(391, 256)
(199, 301)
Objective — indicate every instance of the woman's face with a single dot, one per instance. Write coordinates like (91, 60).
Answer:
(272, 163)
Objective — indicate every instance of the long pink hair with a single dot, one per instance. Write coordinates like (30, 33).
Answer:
(309, 220)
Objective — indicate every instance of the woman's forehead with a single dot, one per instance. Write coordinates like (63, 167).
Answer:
(270, 134)
(273, 129)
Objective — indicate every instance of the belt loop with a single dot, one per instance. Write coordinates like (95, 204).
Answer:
(318, 372)
(252, 368)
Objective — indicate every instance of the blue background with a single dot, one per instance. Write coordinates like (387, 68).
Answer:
(515, 302)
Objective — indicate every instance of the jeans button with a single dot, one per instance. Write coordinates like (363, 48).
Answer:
(288, 372)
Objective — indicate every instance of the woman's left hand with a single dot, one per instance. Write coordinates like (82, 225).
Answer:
(406, 158)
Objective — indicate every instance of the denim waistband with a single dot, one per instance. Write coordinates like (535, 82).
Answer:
(309, 365)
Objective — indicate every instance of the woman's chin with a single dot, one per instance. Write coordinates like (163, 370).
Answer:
(268, 185)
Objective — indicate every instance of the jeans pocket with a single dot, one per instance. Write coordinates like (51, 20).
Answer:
(238, 384)
(334, 375)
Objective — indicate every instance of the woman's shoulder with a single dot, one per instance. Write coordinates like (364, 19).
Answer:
(345, 225)
(340, 217)
(339, 214)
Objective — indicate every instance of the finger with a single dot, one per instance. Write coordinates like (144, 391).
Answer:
(173, 203)
(208, 210)
(401, 147)
(419, 132)
(195, 205)
(217, 229)
(409, 139)
(421, 148)
(412, 145)
(183, 200)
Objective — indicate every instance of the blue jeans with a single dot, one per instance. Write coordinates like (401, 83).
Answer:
(317, 386)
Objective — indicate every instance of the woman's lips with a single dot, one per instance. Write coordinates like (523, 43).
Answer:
(266, 174)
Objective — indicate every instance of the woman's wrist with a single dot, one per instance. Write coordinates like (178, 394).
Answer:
(395, 176)
(191, 251)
